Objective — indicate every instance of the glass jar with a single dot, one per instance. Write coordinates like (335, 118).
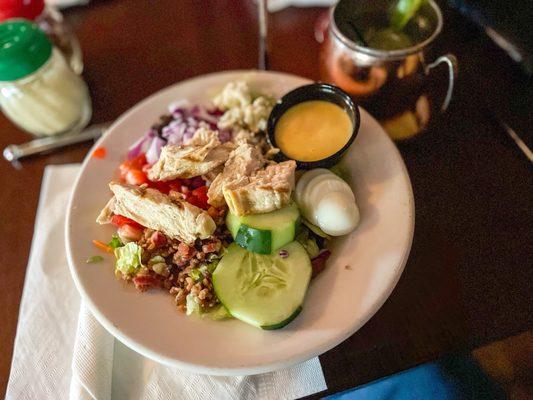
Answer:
(51, 21)
(393, 83)
(39, 92)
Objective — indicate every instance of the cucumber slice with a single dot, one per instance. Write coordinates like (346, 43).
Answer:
(283, 323)
(254, 240)
(265, 233)
(266, 291)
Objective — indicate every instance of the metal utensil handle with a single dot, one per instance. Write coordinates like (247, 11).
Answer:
(451, 61)
(17, 151)
(263, 60)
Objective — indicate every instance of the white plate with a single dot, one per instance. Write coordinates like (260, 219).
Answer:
(340, 300)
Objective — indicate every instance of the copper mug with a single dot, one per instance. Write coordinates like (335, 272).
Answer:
(395, 86)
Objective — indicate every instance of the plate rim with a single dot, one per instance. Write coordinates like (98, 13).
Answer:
(257, 368)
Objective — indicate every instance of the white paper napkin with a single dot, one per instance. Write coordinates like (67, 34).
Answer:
(62, 352)
(49, 308)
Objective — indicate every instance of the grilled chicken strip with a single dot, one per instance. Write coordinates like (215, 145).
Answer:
(242, 162)
(149, 207)
(202, 154)
(265, 190)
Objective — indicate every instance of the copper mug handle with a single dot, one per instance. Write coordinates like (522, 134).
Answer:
(451, 61)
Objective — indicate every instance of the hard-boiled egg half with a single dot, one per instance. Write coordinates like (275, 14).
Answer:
(327, 201)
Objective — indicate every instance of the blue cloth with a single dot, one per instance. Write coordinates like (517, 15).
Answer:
(454, 378)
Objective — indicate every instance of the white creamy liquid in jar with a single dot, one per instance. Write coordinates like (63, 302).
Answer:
(51, 101)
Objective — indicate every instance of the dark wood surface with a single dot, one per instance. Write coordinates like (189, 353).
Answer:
(468, 278)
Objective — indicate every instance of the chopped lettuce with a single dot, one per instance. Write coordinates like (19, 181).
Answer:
(217, 313)
(316, 230)
(115, 242)
(128, 258)
(311, 247)
(196, 274)
(209, 268)
(94, 259)
(308, 242)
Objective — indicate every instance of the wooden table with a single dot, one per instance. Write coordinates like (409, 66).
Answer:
(468, 278)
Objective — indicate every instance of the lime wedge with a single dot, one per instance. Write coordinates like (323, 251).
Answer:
(403, 11)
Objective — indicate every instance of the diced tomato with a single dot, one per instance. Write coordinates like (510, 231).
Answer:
(136, 163)
(175, 184)
(197, 197)
(145, 168)
(129, 232)
(100, 152)
(161, 186)
(119, 220)
(165, 187)
(201, 194)
(190, 198)
(136, 177)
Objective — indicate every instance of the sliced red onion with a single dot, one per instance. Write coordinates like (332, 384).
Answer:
(178, 105)
(154, 151)
(203, 114)
(319, 262)
(224, 135)
(140, 145)
(185, 123)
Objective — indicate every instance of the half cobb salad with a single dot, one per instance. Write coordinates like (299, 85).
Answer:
(208, 208)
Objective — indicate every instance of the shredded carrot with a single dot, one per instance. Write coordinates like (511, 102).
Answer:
(100, 152)
(102, 246)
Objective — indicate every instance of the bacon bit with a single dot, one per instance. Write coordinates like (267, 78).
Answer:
(186, 251)
(103, 246)
(158, 239)
(100, 152)
(211, 247)
(145, 282)
(319, 262)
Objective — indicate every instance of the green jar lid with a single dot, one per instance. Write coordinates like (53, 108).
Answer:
(23, 49)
